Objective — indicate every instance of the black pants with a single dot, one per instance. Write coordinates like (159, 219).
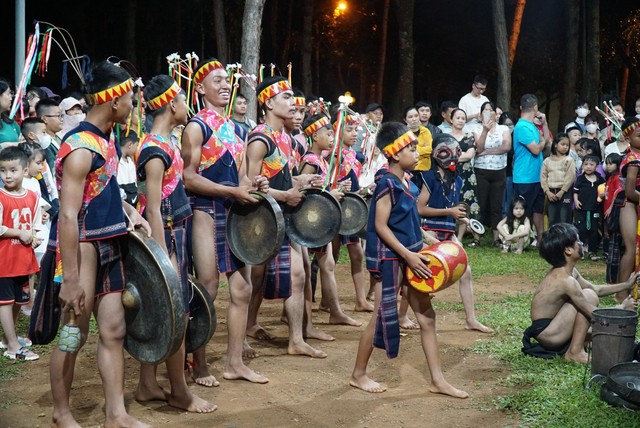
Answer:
(490, 191)
(560, 211)
(587, 223)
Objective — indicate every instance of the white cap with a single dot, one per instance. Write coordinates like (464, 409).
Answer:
(68, 103)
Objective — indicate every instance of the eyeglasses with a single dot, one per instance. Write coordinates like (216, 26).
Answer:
(481, 88)
(59, 116)
(32, 96)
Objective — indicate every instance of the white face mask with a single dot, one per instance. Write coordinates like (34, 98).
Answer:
(582, 112)
(510, 127)
(71, 122)
(44, 140)
(591, 128)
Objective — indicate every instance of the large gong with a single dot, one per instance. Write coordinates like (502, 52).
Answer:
(315, 221)
(354, 214)
(202, 316)
(153, 302)
(255, 231)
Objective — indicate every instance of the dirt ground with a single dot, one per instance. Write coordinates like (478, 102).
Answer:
(303, 391)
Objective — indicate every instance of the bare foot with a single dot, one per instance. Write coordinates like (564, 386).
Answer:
(150, 393)
(284, 319)
(305, 349)
(323, 307)
(244, 372)
(204, 378)
(313, 333)
(191, 403)
(366, 384)
(343, 319)
(66, 420)
(363, 307)
(581, 358)
(446, 388)
(258, 332)
(407, 323)
(371, 295)
(125, 421)
(476, 325)
(248, 351)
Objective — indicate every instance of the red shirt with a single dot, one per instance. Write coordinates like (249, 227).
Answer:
(17, 212)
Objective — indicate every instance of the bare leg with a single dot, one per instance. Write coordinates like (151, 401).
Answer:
(462, 229)
(426, 316)
(254, 329)
(466, 294)
(330, 289)
(206, 266)
(294, 306)
(359, 378)
(628, 229)
(356, 257)
(8, 323)
(403, 316)
(310, 331)
(538, 222)
(240, 291)
(372, 286)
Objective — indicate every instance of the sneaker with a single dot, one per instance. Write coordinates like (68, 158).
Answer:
(24, 342)
(21, 354)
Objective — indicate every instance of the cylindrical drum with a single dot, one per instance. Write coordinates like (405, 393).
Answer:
(447, 261)
(613, 332)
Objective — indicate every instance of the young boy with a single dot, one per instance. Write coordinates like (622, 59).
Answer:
(563, 302)
(18, 213)
(439, 196)
(587, 207)
(127, 168)
(393, 241)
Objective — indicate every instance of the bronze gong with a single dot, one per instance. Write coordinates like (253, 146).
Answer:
(202, 316)
(315, 221)
(354, 214)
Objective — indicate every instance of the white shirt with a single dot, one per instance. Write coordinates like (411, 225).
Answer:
(126, 171)
(471, 105)
(494, 140)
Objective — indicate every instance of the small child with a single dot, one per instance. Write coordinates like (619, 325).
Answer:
(127, 168)
(556, 178)
(515, 228)
(613, 202)
(18, 213)
(585, 199)
(393, 241)
(574, 134)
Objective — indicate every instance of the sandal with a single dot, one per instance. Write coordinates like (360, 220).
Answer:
(474, 243)
(24, 342)
(21, 354)
(497, 243)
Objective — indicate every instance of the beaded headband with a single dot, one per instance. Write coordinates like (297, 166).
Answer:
(320, 123)
(626, 132)
(299, 102)
(110, 93)
(399, 143)
(164, 98)
(205, 70)
(273, 90)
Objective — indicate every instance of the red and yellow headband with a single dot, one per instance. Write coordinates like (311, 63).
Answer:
(110, 93)
(299, 102)
(626, 132)
(273, 90)
(164, 98)
(206, 69)
(399, 143)
(315, 126)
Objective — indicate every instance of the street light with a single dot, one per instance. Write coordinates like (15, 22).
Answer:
(340, 9)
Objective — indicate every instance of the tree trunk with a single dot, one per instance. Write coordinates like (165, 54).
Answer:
(404, 12)
(503, 59)
(250, 57)
(515, 32)
(307, 43)
(383, 51)
(131, 32)
(221, 31)
(568, 90)
(592, 59)
(285, 47)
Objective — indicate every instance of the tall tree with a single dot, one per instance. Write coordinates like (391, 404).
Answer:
(250, 56)
(307, 49)
(503, 54)
(383, 51)
(221, 31)
(568, 90)
(130, 48)
(404, 11)
(515, 32)
(592, 57)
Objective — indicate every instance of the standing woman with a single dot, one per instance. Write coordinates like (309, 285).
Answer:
(9, 131)
(493, 143)
(412, 119)
(465, 170)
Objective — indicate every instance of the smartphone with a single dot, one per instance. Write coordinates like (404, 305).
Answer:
(486, 116)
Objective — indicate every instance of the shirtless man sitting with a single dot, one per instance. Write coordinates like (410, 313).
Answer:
(562, 304)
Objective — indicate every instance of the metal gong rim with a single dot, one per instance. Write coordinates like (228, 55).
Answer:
(362, 233)
(255, 231)
(315, 221)
(202, 317)
(354, 214)
(153, 302)
(624, 380)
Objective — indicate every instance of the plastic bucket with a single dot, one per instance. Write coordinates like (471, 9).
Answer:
(613, 332)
